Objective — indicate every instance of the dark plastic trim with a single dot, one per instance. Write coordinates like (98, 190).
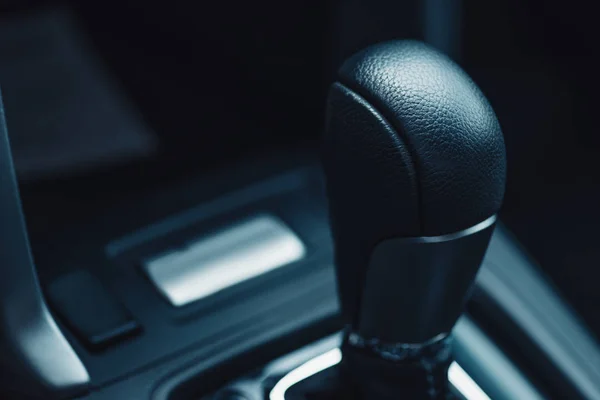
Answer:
(426, 279)
(35, 353)
(546, 329)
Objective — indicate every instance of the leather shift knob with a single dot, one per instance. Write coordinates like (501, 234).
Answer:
(412, 152)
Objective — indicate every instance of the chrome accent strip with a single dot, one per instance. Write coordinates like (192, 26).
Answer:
(457, 376)
(483, 225)
(225, 258)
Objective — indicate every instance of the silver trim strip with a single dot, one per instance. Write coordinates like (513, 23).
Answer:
(225, 258)
(455, 235)
(456, 375)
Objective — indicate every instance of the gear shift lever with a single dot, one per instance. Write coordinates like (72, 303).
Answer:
(415, 166)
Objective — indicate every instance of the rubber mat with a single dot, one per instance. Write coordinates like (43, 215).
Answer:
(65, 113)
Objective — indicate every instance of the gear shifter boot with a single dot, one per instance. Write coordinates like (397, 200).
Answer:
(415, 169)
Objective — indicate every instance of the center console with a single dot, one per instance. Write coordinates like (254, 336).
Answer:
(246, 339)
(379, 273)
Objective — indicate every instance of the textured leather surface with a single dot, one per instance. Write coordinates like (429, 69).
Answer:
(412, 148)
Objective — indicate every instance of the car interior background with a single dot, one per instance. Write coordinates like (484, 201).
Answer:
(138, 126)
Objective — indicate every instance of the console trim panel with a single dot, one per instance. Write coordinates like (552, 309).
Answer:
(233, 255)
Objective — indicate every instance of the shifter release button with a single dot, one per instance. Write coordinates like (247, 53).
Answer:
(224, 258)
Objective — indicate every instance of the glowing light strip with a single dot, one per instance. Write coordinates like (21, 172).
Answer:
(309, 368)
(456, 375)
(465, 384)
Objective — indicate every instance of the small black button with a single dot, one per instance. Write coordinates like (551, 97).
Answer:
(90, 310)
